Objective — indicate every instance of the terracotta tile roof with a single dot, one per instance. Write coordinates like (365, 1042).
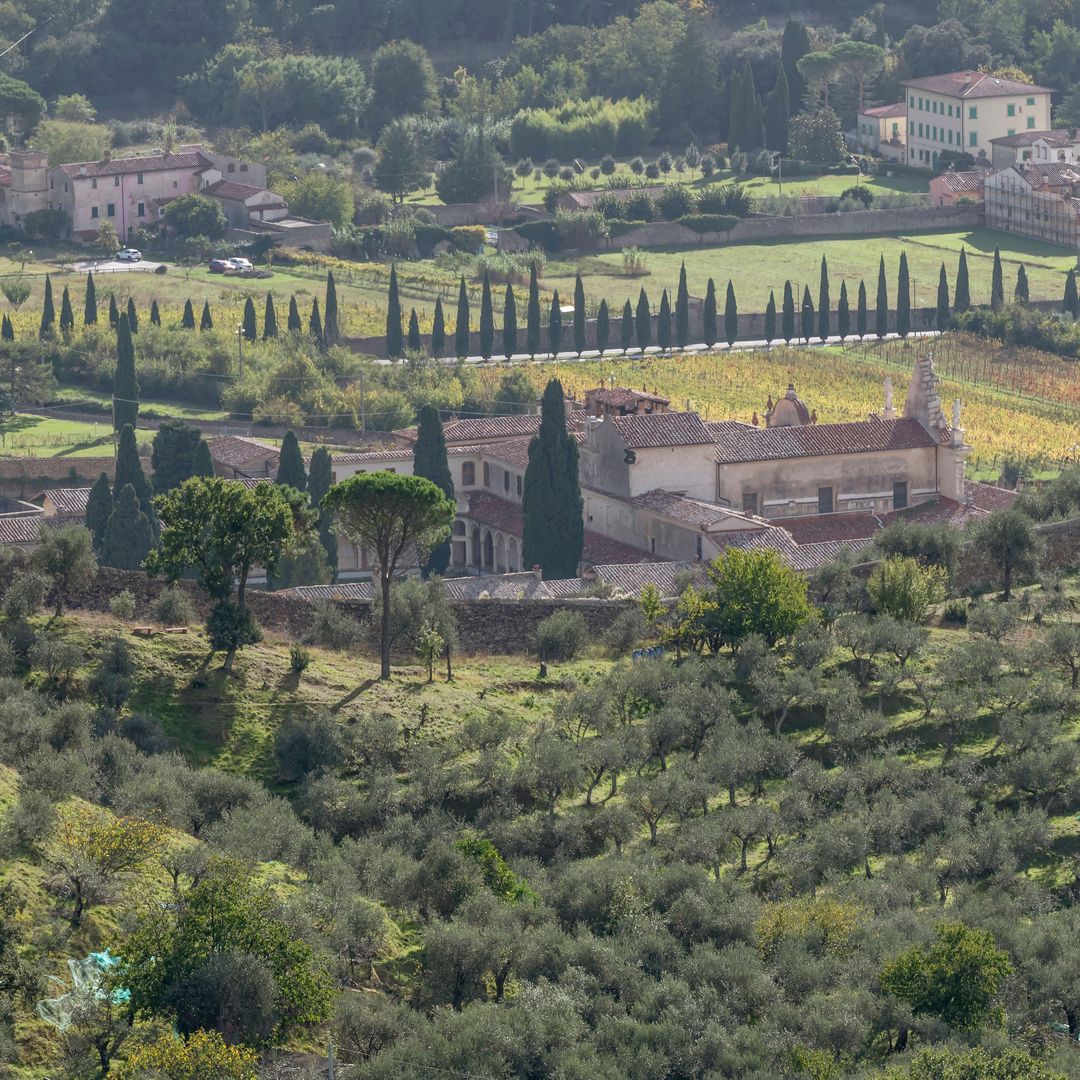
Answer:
(599, 550)
(827, 528)
(631, 578)
(236, 451)
(988, 497)
(1049, 173)
(514, 452)
(146, 163)
(621, 397)
(737, 442)
(366, 456)
(680, 508)
(24, 528)
(69, 500)
(662, 429)
(803, 558)
(899, 108)
(972, 84)
(483, 428)
(1058, 138)
(230, 189)
(496, 586)
(963, 181)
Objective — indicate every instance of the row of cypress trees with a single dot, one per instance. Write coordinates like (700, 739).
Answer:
(66, 323)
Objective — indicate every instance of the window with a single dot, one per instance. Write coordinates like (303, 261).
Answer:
(138, 178)
(116, 181)
(65, 186)
(950, 110)
(899, 495)
(698, 547)
(1010, 109)
(652, 545)
(506, 481)
(973, 112)
(468, 474)
(912, 102)
(1012, 131)
(176, 183)
(52, 184)
(1031, 122)
(973, 138)
(93, 183)
(1031, 101)
(750, 502)
(518, 479)
(93, 211)
(920, 130)
(232, 167)
(243, 168)
(110, 210)
(141, 209)
(824, 500)
(487, 475)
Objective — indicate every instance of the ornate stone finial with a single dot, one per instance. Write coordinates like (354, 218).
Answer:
(754, 419)
(791, 395)
(768, 405)
(956, 413)
(813, 417)
(890, 407)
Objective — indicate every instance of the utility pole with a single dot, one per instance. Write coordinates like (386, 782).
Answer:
(240, 347)
(363, 406)
(330, 1061)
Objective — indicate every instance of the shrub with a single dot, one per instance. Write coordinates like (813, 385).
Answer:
(858, 193)
(561, 636)
(905, 589)
(566, 174)
(581, 228)
(609, 205)
(468, 237)
(607, 165)
(25, 594)
(639, 206)
(637, 166)
(724, 199)
(303, 747)
(709, 223)
(332, 628)
(652, 171)
(174, 608)
(122, 605)
(299, 658)
(544, 234)
(955, 612)
(676, 201)
(583, 129)
(626, 630)
(635, 262)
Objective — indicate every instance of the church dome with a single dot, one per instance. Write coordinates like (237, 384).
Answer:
(788, 411)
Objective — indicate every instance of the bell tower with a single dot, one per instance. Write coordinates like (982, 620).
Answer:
(29, 183)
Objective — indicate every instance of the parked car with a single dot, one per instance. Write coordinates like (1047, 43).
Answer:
(219, 266)
(240, 264)
(129, 255)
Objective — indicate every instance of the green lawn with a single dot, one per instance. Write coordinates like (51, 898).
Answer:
(757, 268)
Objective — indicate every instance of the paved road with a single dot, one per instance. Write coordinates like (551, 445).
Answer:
(114, 266)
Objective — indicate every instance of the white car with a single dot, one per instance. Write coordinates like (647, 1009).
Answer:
(240, 264)
(128, 255)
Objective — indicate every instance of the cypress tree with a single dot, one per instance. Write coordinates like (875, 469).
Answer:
(788, 316)
(778, 113)
(188, 320)
(643, 322)
(269, 317)
(1071, 303)
(206, 320)
(90, 303)
(555, 326)
(532, 316)
(487, 319)
(794, 45)
(942, 299)
(394, 343)
(129, 535)
(99, 508)
(330, 323)
(125, 387)
(293, 323)
(315, 326)
(881, 315)
(1020, 293)
(251, 329)
(754, 121)
(603, 327)
(291, 472)
(997, 284)
(554, 528)
(202, 464)
(806, 320)
(461, 327)
(133, 316)
(171, 454)
(129, 470)
(430, 461)
(579, 316)
(731, 315)
(735, 113)
(861, 322)
(626, 328)
(824, 309)
(413, 340)
(319, 481)
(770, 319)
(509, 327)
(663, 323)
(962, 295)
(114, 313)
(843, 313)
(682, 311)
(438, 331)
(903, 298)
(155, 313)
(708, 320)
(7, 329)
(67, 316)
(48, 312)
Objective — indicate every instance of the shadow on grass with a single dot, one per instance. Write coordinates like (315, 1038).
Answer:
(352, 695)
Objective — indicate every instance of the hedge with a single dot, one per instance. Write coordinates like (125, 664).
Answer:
(583, 129)
(703, 223)
(468, 237)
(545, 234)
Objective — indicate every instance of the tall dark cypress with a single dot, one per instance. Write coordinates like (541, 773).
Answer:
(731, 315)
(794, 45)
(579, 316)
(7, 329)
(682, 311)
(395, 344)
(269, 318)
(754, 121)
(293, 323)
(942, 300)
(643, 322)
(438, 330)
(206, 320)
(1071, 302)
(67, 316)
(861, 314)
(770, 319)
(99, 508)
(509, 325)
(430, 461)
(881, 313)
(903, 298)
(114, 311)
(806, 319)
(48, 312)
(997, 283)
(603, 328)
(315, 326)
(552, 507)
(532, 316)
(824, 307)
(291, 471)
(1020, 292)
(709, 314)
(155, 313)
(320, 478)
(413, 341)
(125, 388)
(331, 331)
(663, 323)
(90, 303)
(843, 313)
(778, 113)
(735, 113)
(626, 328)
(202, 464)
(251, 329)
(188, 320)
(461, 326)
(555, 325)
(487, 319)
(129, 535)
(133, 316)
(129, 470)
(962, 295)
(787, 331)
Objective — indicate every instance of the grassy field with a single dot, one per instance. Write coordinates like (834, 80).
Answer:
(757, 268)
